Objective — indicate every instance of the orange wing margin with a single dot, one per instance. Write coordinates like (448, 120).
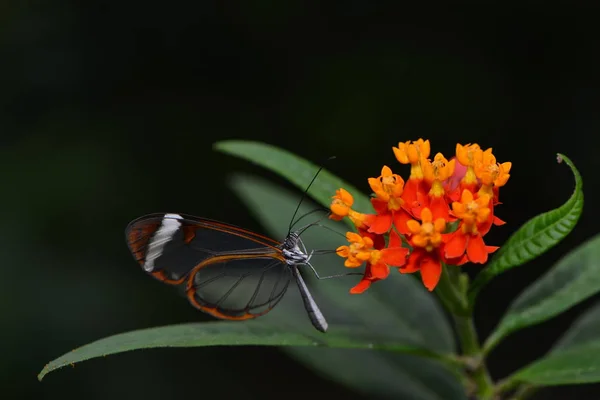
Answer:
(279, 265)
(141, 230)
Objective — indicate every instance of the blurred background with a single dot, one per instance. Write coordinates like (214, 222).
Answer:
(109, 111)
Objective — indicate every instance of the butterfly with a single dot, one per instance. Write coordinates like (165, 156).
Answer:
(226, 271)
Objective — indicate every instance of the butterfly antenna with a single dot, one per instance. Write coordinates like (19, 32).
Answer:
(320, 209)
(300, 231)
(304, 195)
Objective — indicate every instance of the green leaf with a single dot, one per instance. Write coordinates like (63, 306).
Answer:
(219, 334)
(577, 365)
(382, 374)
(584, 330)
(535, 237)
(575, 358)
(398, 307)
(296, 170)
(571, 280)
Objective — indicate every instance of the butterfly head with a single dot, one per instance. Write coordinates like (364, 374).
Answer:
(294, 250)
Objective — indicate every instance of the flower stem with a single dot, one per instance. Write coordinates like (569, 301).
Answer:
(452, 291)
(449, 293)
(471, 347)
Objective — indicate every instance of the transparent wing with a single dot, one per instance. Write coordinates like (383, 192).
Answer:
(238, 287)
(192, 241)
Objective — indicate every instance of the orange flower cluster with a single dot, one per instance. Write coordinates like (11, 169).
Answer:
(442, 212)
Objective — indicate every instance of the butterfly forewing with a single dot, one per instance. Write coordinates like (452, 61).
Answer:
(225, 271)
(238, 288)
(170, 246)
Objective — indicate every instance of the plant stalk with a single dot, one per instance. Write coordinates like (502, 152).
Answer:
(452, 292)
(448, 291)
(470, 346)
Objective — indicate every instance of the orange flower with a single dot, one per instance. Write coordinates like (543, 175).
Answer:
(438, 191)
(483, 175)
(470, 211)
(388, 187)
(341, 204)
(414, 153)
(341, 207)
(437, 172)
(378, 262)
(439, 169)
(466, 243)
(427, 243)
(491, 174)
(468, 154)
(358, 252)
(388, 204)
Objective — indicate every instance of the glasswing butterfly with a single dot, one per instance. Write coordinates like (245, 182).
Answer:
(226, 271)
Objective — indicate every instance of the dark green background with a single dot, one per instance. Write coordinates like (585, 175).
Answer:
(109, 109)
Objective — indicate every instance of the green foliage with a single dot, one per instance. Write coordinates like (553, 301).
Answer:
(573, 279)
(535, 237)
(219, 334)
(295, 169)
(575, 366)
(585, 330)
(574, 359)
